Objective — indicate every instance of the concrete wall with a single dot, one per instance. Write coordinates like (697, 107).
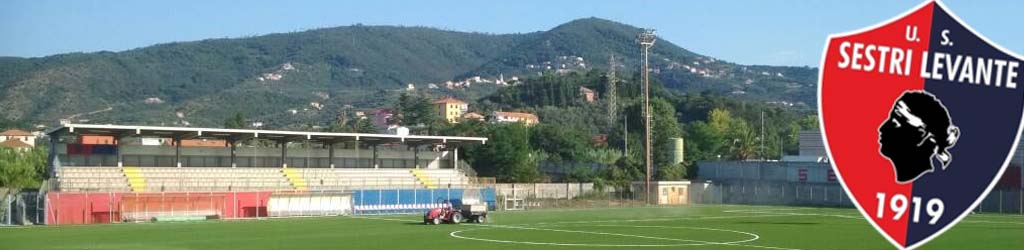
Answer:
(769, 183)
(92, 208)
(770, 193)
(543, 190)
(802, 172)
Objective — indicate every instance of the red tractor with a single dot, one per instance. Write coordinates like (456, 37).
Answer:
(456, 214)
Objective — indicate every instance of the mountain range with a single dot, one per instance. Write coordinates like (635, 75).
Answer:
(305, 78)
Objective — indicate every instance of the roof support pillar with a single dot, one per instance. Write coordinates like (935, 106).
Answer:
(119, 150)
(177, 150)
(416, 156)
(284, 153)
(309, 150)
(233, 144)
(455, 157)
(330, 154)
(52, 157)
(375, 163)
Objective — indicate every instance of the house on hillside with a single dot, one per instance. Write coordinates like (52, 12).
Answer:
(514, 117)
(588, 95)
(451, 109)
(16, 137)
(16, 145)
(382, 118)
(473, 116)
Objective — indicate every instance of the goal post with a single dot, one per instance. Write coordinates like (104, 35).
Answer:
(513, 204)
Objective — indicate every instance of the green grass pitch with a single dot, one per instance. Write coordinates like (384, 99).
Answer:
(686, 227)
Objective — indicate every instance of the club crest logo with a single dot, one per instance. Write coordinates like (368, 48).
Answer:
(920, 116)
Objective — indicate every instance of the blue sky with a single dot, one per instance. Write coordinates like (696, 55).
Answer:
(748, 32)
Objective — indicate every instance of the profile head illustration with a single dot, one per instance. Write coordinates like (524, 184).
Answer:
(917, 133)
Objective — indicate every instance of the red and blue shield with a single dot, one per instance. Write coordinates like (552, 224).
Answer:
(920, 116)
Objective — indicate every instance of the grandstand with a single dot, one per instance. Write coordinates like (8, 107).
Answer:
(156, 179)
(111, 173)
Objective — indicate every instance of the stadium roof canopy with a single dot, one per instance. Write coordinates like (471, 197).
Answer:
(242, 134)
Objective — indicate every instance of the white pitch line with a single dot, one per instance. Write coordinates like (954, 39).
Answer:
(766, 210)
(812, 214)
(736, 243)
(992, 222)
(696, 242)
(661, 219)
(1014, 216)
(856, 217)
(455, 234)
(486, 226)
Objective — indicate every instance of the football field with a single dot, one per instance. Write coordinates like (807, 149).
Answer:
(686, 227)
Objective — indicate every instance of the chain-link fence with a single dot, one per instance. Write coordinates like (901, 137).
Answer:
(521, 196)
(1002, 201)
(524, 196)
(21, 208)
(771, 193)
(6, 201)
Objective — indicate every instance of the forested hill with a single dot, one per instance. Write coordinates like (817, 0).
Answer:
(306, 77)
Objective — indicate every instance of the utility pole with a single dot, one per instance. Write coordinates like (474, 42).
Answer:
(646, 39)
(762, 137)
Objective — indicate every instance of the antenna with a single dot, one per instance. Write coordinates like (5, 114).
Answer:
(646, 39)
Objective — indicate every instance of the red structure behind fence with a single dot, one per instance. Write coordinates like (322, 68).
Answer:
(112, 207)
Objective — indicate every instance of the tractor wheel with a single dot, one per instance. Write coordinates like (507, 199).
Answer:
(481, 219)
(435, 221)
(456, 218)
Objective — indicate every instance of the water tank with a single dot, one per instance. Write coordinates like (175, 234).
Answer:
(678, 153)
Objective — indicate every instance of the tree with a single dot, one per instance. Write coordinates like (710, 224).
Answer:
(363, 125)
(703, 143)
(809, 122)
(560, 142)
(416, 111)
(235, 121)
(672, 172)
(664, 128)
(22, 169)
(627, 169)
(507, 155)
(723, 135)
(357, 125)
(744, 142)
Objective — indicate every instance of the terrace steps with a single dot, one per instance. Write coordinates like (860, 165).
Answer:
(423, 178)
(295, 178)
(135, 179)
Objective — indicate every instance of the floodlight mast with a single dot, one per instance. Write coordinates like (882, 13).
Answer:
(646, 39)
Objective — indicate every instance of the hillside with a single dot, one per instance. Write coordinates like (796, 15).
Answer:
(293, 79)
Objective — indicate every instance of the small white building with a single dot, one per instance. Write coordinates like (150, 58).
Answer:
(513, 117)
(17, 139)
(666, 192)
(398, 130)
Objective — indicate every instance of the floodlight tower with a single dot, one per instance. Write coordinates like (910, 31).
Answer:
(646, 39)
